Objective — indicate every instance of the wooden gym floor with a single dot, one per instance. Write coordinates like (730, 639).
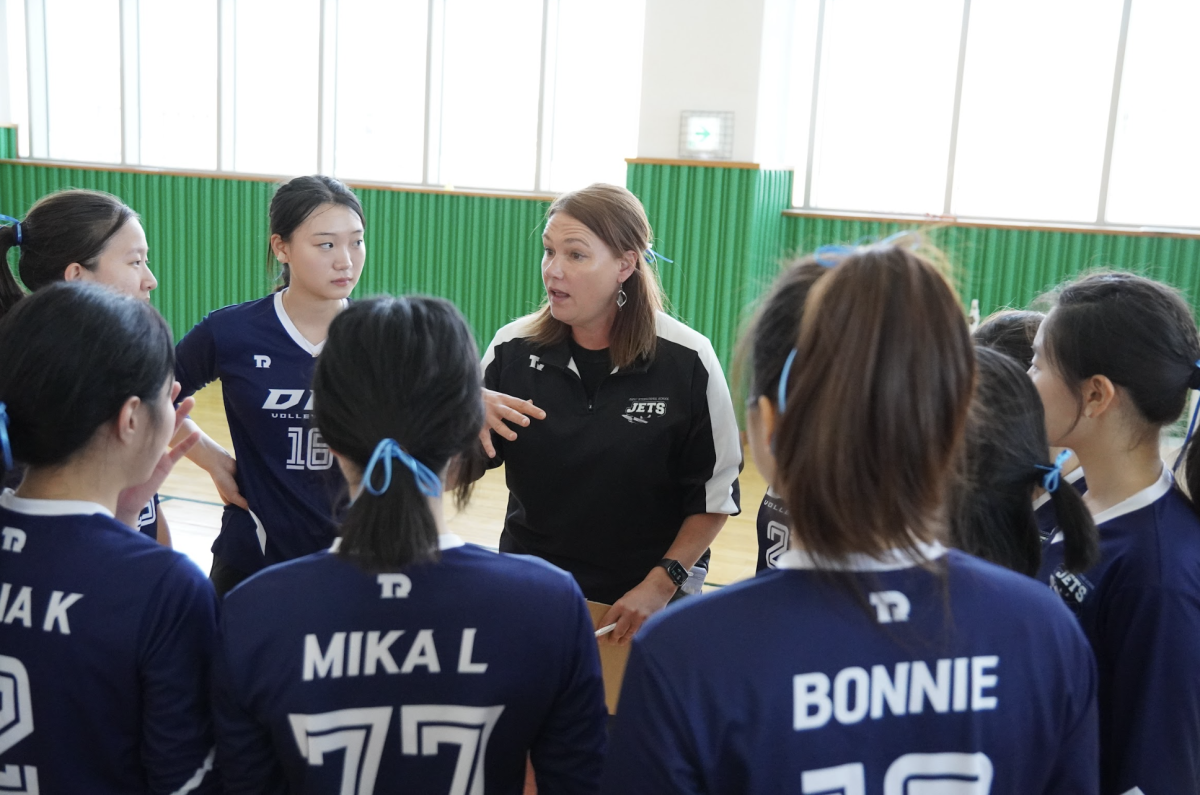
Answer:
(193, 509)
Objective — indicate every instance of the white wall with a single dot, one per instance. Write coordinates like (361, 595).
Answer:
(5, 71)
(700, 55)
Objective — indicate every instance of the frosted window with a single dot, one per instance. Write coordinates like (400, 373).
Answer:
(492, 65)
(277, 55)
(885, 105)
(83, 73)
(1036, 97)
(177, 45)
(380, 113)
(1156, 160)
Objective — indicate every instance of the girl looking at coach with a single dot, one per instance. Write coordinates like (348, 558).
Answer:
(87, 236)
(284, 493)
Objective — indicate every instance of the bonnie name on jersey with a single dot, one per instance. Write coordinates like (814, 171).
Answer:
(957, 685)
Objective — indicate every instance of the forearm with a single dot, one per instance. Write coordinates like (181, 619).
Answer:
(207, 454)
(695, 535)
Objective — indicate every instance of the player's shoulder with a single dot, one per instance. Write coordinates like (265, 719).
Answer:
(511, 570)
(236, 314)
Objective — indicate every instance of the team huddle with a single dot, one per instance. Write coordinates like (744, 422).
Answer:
(976, 571)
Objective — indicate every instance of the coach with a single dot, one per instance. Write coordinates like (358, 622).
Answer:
(628, 469)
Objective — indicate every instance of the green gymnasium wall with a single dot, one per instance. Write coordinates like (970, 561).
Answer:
(1011, 267)
(8, 142)
(723, 227)
(724, 230)
(208, 241)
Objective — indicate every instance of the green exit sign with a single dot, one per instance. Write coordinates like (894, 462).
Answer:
(706, 135)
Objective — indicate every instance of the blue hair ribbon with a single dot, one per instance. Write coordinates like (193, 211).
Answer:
(1053, 476)
(1191, 425)
(783, 380)
(5, 446)
(16, 225)
(829, 256)
(653, 257)
(429, 484)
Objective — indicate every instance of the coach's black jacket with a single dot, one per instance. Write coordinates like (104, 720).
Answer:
(601, 488)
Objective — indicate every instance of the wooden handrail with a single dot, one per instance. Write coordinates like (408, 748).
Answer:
(198, 174)
(655, 161)
(1015, 226)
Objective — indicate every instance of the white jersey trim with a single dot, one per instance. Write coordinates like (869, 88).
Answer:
(32, 507)
(1146, 497)
(727, 442)
(445, 541)
(1071, 477)
(891, 560)
(198, 777)
(518, 329)
(292, 331)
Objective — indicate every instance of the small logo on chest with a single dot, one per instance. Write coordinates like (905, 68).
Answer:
(1073, 589)
(890, 606)
(642, 410)
(536, 362)
(262, 362)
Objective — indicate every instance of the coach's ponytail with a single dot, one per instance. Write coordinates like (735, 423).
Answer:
(1003, 459)
(397, 393)
(10, 291)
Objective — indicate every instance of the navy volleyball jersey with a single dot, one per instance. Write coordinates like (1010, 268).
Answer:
(1043, 509)
(774, 534)
(1140, 608)
(105, 643)
(438, 679)
(822, 693)
(284, 468)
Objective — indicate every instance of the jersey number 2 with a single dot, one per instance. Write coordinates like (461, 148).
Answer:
(911, 774)
(16, 723)
(361, 733)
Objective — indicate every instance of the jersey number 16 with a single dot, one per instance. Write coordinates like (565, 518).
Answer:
(316, 456)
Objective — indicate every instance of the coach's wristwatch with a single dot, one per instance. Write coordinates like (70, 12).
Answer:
(675, 571)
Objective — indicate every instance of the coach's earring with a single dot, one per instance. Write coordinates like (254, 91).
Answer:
(621, 297)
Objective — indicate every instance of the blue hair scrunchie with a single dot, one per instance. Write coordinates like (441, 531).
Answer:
(1053, 476)
(1193, 383)
(16, 225)
(429, 483)
(829, 256)
(783, 380)
(5, 446)
(652, 257)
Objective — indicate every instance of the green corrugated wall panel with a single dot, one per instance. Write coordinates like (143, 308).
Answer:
(722, 228)
(8, 143)
(208, 241)
(1012, 267)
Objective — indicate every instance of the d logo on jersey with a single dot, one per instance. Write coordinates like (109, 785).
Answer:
(283, 399)
(262, 362)
(890, 606)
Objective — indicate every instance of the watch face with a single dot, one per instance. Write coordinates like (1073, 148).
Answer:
(677, 572)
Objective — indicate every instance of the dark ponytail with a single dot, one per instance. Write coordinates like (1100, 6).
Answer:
(1010, 331)
(772, 332)
(71, 354)
(1138, 333)
(404, 369)
(1004, 457)
(61, 228)
(10, 291)
(295, 200)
